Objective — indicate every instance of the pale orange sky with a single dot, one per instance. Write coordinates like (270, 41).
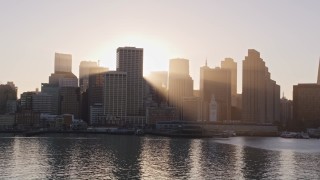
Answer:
(286, 33)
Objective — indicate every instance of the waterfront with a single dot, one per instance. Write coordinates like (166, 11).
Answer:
(71, 156)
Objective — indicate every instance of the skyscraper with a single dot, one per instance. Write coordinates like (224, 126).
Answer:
(63, 76)
(115, 95)
(69, 101)
(8, 92)
(229, 64)
(84, 71)
(179, 67)
(130, 60)
(62, 62)
(180, 84)
(306, 106)
(260, 94)
(96, 82)
(215, 82)
(27, 100)
(42, 102)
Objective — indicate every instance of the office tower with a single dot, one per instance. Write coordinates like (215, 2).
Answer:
(318, 82)
(63, 76)
(215, 82)
(69, 101)
(96, 82)
(229, 64)
(260, 94)
(42, 103)
(8, 92)
(11, 106)
(306, 106)
(84, 71)
(180, 84)
(130, 60)
(179, 67)
(63, 79)
(115, 96)
(52, 91)
(26, 100)
(62, 63)
(285, 112)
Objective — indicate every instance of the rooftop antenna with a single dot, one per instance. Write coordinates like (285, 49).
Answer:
(98, 62)
(206, 62)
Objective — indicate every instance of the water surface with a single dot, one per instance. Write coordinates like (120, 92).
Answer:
(69, 156)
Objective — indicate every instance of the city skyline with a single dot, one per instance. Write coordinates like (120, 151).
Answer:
(286, 36)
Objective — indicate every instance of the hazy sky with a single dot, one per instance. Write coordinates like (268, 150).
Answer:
(285, 32)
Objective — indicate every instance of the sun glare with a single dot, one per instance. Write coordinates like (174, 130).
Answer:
(156, 52)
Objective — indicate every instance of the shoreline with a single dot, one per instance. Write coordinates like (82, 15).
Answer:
(129, 132)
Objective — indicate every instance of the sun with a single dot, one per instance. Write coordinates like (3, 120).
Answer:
(156, 51)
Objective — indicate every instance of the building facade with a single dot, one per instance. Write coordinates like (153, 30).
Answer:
(306, 106)
(115, 95)
(285, 112)
(62, 62)
(96, 112)
(96, 85)
(8, 92)
(180, 84)
(84, 72)
(260, 94)
(130, 60)
(69, 101)
(230, 65)
(215, 82)
(52, 91)
(42, 103)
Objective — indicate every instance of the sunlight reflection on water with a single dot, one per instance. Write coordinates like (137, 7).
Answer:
(149, 157)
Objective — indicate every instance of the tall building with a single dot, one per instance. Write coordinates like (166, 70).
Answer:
(62, 62)
(96, 84)
(179, 67)
(215, 82)
(180, 84)
(42, 102)
(69, 101)
(27, 100)
(63, 79)
(53, 91)
(84, 72)
(306, 106)
(8, 92)
(229, 64)
(260, 94)
(285, 112)
(115, 95)
(130, 60)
